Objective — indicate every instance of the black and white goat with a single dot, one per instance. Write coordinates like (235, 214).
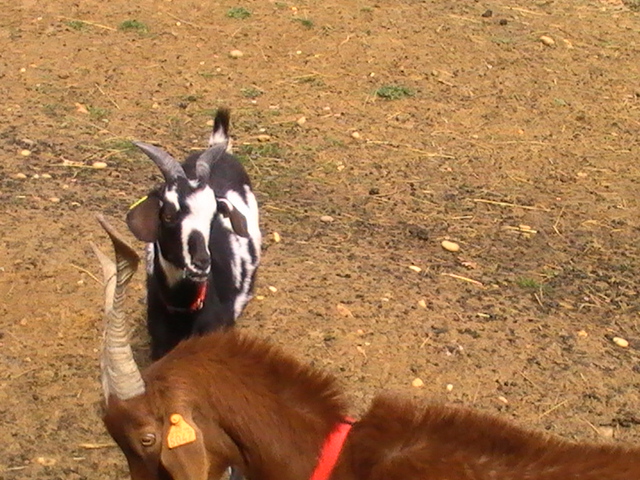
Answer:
(203, 239)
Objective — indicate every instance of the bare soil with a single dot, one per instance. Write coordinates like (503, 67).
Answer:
(493, 130)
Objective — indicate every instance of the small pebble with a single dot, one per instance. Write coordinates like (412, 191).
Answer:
(54, 200)
(236, 53)
(25, 152)
(621, 342)
(487, 13)
(273, 289)
(263, 138)
(276, 237)
(422, 303)
(259, 297)
(46, 461)
(583, 334)
(45, 175)
(356, 135)
(19, 176)
(449, 387)
(35, 176)
(209, 123)
(548, 41)
(503, 400)
(417, 382)
(415, 268)
(326, 218)
(450, 246)
(301, 121)
(99, 165)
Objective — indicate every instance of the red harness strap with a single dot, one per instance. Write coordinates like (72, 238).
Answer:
(198, 303)
(331, 450)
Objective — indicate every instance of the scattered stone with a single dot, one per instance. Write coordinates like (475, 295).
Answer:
(417, 382)
(503, 21)
(583, 334)
(45, 175)
(503, 400)
(25, 152)
(449, 387)
(46, 461)
(20, 176)
(415, 268)
(263, 138)
(99, 165)
(487, 13)
(272, 289)
(301, 121)
(236, 54)
(548, 41)
(259, 297)
(343, 310)
(621, 342)
(326, 218)
(450, 246)
(606, 431)
(422, 303)
(356, 135)
(276, 237)
(54, 200)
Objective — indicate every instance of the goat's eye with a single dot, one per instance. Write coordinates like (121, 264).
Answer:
(169, 217)
(148, 439)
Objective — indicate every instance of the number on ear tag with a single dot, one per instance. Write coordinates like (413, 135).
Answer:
(180, 432)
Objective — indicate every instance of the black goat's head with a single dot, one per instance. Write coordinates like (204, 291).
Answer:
(178, 215)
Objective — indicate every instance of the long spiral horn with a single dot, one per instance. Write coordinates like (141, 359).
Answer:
(169, 166)
(120, 374)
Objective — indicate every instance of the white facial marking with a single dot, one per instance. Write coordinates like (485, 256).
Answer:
(202, 206)
(149, 255)
(173, 273)
(171, 196)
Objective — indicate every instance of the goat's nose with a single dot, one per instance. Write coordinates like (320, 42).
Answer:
(198, 251)
(201, 262)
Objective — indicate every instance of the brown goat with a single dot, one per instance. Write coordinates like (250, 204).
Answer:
(242, 402)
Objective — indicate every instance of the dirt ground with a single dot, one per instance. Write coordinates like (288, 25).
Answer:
(523, 151)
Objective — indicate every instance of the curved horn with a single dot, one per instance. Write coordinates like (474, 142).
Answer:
(208, 158)
(169, 166)
(120, 374)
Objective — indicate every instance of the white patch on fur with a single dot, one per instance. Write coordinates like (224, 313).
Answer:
(149, 256)
(173, 273)
(171, 196)
(219, 137)
(202, 206)
(240, 246)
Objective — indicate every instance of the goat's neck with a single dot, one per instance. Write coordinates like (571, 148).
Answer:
(277, 425)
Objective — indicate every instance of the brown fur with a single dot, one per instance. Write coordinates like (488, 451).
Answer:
(267, 414)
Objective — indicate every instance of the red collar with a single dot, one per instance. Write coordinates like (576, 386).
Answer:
(197, 304)
(331, 450)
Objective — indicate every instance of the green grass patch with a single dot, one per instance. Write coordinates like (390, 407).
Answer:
(133, 26)
(528, 283)
(305, 22)
(76, 24)
(98, 112)
(394, 92)
(239, 13)
(251, 92)
(259, 150)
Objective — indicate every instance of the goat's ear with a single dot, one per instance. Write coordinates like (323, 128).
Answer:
(143, 218)
(238, 220)
(184, 455)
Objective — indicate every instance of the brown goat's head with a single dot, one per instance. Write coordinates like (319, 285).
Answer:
(158, 430)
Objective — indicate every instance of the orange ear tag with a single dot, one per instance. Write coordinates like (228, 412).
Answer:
(138, 202)
(180, 432)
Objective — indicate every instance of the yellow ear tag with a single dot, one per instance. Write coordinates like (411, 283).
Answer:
(180, 432)
(138, 202)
